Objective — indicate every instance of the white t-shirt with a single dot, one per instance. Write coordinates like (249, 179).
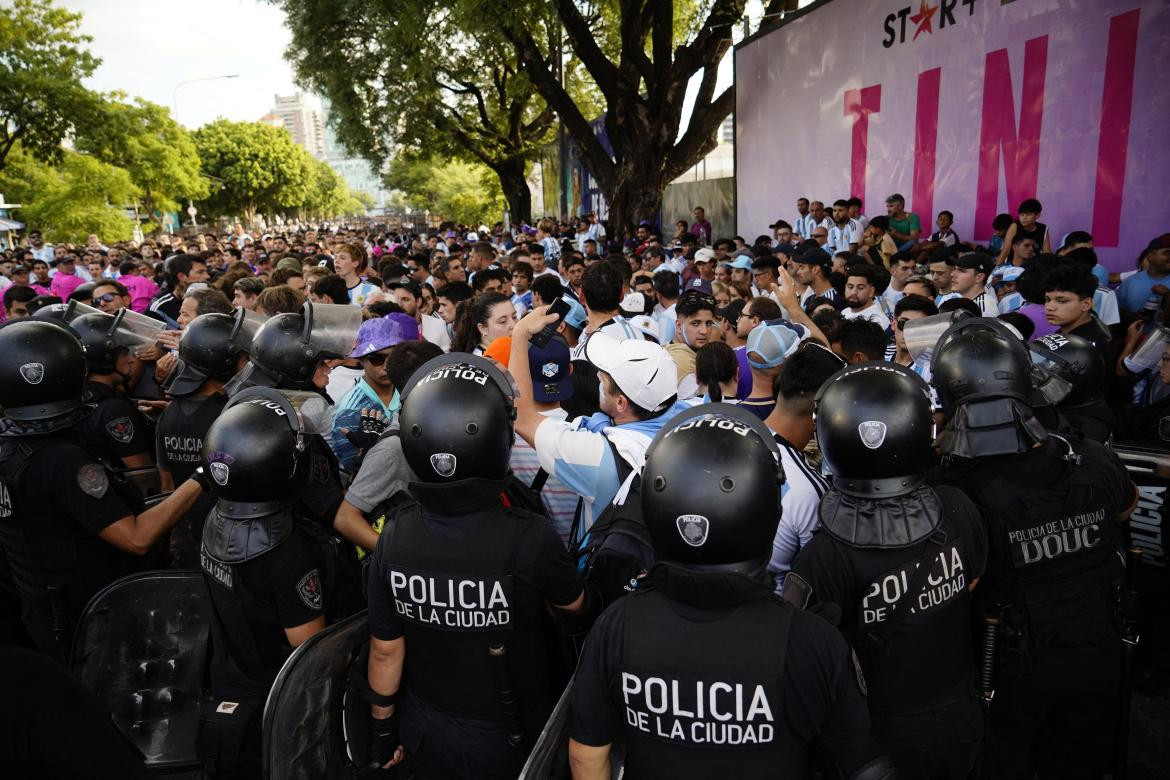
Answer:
(1105, 305)
(987, 303)
(873, 313)
(434, 330)
(800, 498)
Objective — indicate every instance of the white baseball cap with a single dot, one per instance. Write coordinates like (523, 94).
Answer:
(642, 370)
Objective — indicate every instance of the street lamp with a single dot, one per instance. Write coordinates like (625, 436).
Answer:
(175, 92)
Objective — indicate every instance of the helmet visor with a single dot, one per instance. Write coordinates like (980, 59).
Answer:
(247, 322)
(331, 328)
(129, 328)
(921, 335)
(1150, 352)
(314, 411)
(1047, 376)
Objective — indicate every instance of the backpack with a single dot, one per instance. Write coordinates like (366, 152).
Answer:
(616, 550)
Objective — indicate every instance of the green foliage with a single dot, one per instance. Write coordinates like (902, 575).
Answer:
(460, 191)
(329, 196)
(156, 150)
(256, 167)
(42, 62)
(68, 202)
(455, 91)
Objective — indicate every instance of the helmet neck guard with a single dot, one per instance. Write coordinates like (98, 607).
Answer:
(881, 522)
(229, 537)
(715, 586)
(996, 426)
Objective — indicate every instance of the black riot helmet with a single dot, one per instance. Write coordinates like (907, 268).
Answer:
(456, 419)
(1075, 361)
(209, 349)
(875, 428)
(42, 373)
(99, 334)
(711, 490)
(288, 347)
(983, 374)
(255, 455)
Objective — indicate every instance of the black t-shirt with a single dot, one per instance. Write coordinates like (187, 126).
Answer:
(178, 437)
(254, 602)
(821, 695)
(543, 570)
(115, 429)
(1094, 332)
(930, 652)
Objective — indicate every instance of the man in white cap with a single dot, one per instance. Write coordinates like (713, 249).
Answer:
(638, 395)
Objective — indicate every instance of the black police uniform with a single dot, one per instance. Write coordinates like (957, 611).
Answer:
(918, 671)
(454, 574)
(263, 568)
(55, 498)
(1051, 578)
(116, 429)
(709, 684)
(178, 442)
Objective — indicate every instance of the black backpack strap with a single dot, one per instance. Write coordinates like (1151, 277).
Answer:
(576, 539)
(877, 641)
(539, 480)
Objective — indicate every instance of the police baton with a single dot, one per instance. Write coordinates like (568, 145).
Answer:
(987, 659)
(1129, 644)
(506, 691)
(60, 618)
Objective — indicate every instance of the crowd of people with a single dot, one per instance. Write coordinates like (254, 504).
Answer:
(755, 485)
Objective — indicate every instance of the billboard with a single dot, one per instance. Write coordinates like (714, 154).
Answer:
(965, 105)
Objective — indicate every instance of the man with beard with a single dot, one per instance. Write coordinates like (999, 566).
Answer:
(860, 296)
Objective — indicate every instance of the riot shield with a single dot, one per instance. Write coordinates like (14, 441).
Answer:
(303, 734)
(549, 759)
(140, 647)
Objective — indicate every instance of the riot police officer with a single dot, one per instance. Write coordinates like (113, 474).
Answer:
(263, 566)
(458, 571)
(1077, 363)
(1052, 507)
(211, 351)
(896, 560)
(703, 669)
(68, 525)
(116, 430)
(296, 351)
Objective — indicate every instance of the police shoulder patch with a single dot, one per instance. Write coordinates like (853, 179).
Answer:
(93, 480)
(309, 589)
(120, 429)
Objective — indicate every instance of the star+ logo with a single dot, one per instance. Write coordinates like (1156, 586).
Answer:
(923, 20)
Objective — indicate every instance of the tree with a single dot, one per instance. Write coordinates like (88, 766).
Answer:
(461, 191)
(642, 55)
(42, 62)
(383, 76)
(156, 150)
(68, 202)
(328, 195)
(257, 168)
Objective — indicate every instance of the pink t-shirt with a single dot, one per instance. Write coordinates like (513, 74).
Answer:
(62, 285)
(141, 290)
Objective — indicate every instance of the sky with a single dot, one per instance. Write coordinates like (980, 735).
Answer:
(148, 47)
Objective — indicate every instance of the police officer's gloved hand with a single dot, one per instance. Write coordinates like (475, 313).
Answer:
(371, 428)
(383, 738)
(201, 476)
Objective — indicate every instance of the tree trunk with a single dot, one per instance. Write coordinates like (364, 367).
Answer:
(637, 194)
(516, 190)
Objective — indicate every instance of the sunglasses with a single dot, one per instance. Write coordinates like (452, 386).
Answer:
(104, 298)
(376, 358)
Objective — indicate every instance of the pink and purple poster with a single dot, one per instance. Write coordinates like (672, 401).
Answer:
(965, 105)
